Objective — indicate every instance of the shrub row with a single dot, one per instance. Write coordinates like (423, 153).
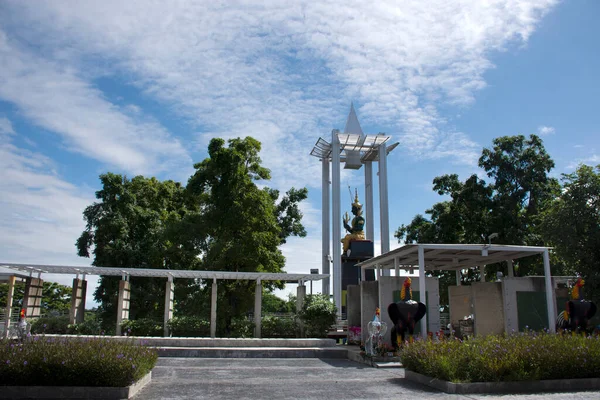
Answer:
(519, 357)
(42, 361)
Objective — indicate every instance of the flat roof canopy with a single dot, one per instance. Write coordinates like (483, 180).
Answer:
(159, 273)
(450, 256)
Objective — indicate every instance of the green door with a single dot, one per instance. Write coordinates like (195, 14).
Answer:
(532, 311)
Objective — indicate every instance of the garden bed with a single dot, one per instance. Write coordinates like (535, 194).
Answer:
(97, 366)
(517, 363)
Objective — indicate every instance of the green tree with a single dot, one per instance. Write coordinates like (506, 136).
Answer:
(55, 297)
(572, 225)
(241, 226)
(129, 227)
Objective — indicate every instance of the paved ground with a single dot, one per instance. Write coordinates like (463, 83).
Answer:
(308, 378)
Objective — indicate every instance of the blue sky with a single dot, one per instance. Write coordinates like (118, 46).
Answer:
(141, 87)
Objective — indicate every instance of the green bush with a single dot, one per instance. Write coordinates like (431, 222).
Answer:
(141, 327)
(317, 314)
(189, 327)
(279, 327)
(520, 357)
(50, 325)
(41, 361)
(87, 327)
(241, 328)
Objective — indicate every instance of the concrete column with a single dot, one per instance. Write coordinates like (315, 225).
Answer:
(169, 299)
(213, 309)
(9, 304)
(482, 273)
(549, 292)
(32, 303)
(379, 274)
(422, 290)
(77, 312)
(458, 282)
(397, 266)
(325, 223)
(384, 214)
(511, 268)
(337, 221)
(123, 304)
(257, 309)
(300, 295)
(370, 222)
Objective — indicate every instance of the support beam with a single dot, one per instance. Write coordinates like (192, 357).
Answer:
(169, 299)
(213, 309)
(325, 223)
(32, 302)
(458, 282)
(257, 309)
(9, 303)
(79, 291)
(123, 304)
(300, 295)
(397, 266)
(370, 222)
(384, 215)
(549, 293)
(337, 221)
(422, 290)
(379, 274)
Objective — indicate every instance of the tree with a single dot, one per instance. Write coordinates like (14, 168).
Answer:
(55, 297)
(128, 227)
(572, 225)
(242, 226)
(511, 205)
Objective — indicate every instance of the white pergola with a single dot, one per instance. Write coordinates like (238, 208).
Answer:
(21, 270)
(454, 257)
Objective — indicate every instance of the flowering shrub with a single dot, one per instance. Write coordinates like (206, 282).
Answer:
(519, 357)
(41, 361)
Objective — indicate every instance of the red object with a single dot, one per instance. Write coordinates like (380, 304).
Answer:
(22, 314)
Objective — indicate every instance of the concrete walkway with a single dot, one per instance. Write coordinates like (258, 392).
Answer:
(209, 378)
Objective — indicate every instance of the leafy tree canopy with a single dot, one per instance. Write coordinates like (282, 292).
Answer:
(55, 297)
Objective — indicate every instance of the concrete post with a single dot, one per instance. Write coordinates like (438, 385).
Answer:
(549, 293)
(422, 290)
(511, 268)
(32, 303)
(77, 312)
(213, 309)
(384, 214)
(458, 282)
(9, 303)
(123, 304)
(397, 266)
(300, 295)
(257, 309)
(370, 223)
(325, 223)
(337, 221)
(169, 299)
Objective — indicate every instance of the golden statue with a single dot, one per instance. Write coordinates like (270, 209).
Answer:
(356, 229)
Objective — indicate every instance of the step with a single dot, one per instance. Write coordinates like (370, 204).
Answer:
(253, 352)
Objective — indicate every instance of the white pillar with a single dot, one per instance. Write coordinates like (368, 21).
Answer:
(78, 293)
(123, 304)
(370, 223)
(384, 215)
(511, 268)
(397, 266)
(169, 298)
(213, 309)
(325, 236)
(422, 290)
(257, 309)
(337, 221)
(379, 273)
(9, 304)
(549, 293)
(300, 295)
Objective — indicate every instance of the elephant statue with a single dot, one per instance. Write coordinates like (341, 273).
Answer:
(404, 315)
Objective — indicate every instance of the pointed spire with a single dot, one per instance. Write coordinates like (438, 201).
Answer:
(352, 124)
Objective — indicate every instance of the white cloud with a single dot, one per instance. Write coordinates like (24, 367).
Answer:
(546, 130)
(6, 127)
(285, 73)
(592, 160)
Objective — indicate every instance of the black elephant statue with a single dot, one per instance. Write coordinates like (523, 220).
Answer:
(577, 312)
(404, 315)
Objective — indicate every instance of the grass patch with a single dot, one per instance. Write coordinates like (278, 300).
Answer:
(521, 357)
(41, 361)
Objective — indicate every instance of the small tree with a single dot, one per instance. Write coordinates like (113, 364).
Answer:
(317, 314)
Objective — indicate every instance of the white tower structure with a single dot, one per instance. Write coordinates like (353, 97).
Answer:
(355, 149)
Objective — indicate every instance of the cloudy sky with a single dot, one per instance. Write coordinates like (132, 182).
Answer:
(141, 87)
